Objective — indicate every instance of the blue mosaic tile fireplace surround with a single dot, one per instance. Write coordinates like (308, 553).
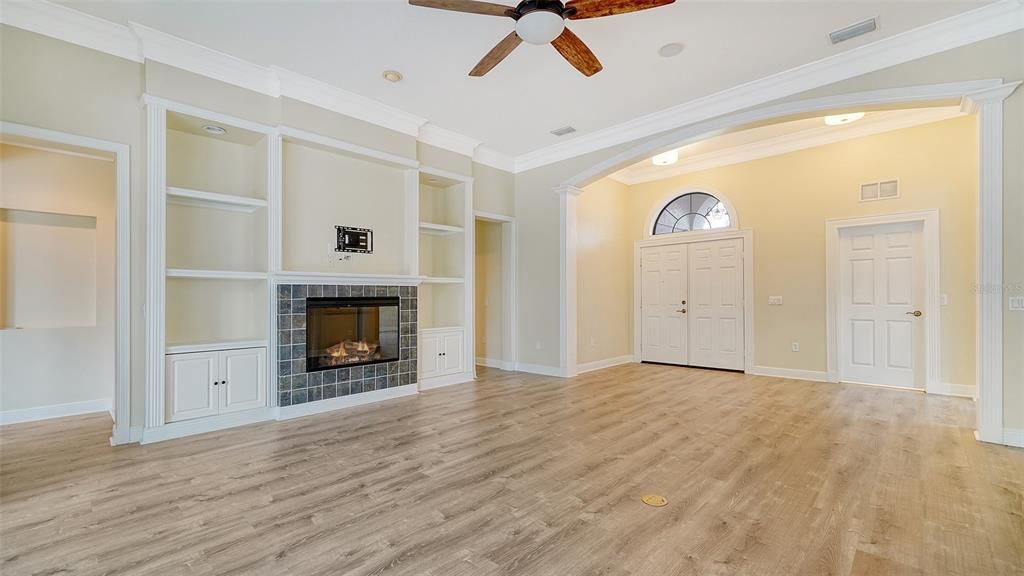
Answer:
(296, 386)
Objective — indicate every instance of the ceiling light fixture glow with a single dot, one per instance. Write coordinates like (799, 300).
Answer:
(215, 130)
(840, 119)
(392, 75)
(666, 158)
(540, 26)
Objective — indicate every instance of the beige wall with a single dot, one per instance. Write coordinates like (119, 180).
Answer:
(321, 190)
(59, 280)
(490, 292)
(604, 271)
(786, 200)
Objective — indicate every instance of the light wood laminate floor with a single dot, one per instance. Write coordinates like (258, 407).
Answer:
(519, 474)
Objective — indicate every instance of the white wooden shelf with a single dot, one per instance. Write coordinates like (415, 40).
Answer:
(443, 280)
(215, 274)
(439, 229)
(210, 346)
(448, 328)
(293, 277)
(201, 199)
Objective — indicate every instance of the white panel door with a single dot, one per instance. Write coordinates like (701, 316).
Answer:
(192, 390)
(881, 294)
(451, 353)
(663, 304)
(715, 309)
(430, 355)
(243, 379)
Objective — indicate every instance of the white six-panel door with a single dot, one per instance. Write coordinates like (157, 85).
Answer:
(716, 304)
(881, 295)
(663, 304)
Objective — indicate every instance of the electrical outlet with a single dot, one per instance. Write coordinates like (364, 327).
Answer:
(1017, 303)
(944, 299)
(593, 341)
(775, 300)
(795, 346)
(538, 345)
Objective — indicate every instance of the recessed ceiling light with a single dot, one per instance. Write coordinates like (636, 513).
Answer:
(840, 119)
(433, 180)
(215, 130)
(392, 75)
(666, 158)
(670, 50)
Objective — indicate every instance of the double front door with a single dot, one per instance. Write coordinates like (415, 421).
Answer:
(691, 304)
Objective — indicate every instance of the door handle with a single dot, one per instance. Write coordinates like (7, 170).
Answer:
(915, 313)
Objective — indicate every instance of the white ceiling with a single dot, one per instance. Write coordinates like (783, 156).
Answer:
(779, 138)
(512, 109)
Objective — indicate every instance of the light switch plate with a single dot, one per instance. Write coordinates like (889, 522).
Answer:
(775, 300)
(1017, 303)
(944, 300)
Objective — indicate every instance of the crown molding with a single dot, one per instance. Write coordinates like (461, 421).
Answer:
(973, 26)
(447, 139)
(72, 26)
(329, 97)
(785, 143)
(491, 157)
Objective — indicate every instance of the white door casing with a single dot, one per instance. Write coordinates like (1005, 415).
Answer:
(881, 297)
(716, 304)
(663, 304)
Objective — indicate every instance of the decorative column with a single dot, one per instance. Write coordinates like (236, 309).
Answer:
(988, 105)
(156, 191)
(567, 318)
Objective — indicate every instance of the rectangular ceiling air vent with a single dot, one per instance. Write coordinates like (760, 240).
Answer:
(563, 131)
(858, 29)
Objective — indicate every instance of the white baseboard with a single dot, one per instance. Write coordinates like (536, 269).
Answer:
(947, 389)
(318, 406)
(203, 425)
(790, 373)
(538, 369)
(1013, 437)
(448, 380)
(492, 363)
(56, 411)
(602, 364)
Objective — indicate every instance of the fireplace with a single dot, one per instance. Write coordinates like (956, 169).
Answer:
(344, 332)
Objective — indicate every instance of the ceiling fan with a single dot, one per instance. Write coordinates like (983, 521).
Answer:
(543, 22)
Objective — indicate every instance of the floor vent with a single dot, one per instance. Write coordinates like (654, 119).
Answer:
(563, 131)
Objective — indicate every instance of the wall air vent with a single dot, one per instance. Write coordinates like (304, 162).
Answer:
(880, 190)
(563, 131)
(852, 31)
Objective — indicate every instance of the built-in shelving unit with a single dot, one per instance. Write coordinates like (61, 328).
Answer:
(445, 262)
(211, 179)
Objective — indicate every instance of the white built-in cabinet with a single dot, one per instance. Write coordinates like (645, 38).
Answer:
(441, 352)
(201, 384)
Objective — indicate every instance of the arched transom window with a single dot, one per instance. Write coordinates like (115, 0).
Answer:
(692, 211)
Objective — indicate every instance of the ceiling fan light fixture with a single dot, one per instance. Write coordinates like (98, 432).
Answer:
(840, 119)
(666, 158)
(540, 27)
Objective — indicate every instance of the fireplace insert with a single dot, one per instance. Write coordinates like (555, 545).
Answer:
(342, 332)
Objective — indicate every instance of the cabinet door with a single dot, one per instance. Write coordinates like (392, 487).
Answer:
(451, 356)
(191, 384)
(244, 376)
(430, 355)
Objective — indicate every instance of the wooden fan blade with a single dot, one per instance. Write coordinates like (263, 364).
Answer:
(598, 8)
(497, 54)
(576, 52)
(470, 6)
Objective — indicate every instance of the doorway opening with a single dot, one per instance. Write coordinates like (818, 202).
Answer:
(64, 277)
(494, 286)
